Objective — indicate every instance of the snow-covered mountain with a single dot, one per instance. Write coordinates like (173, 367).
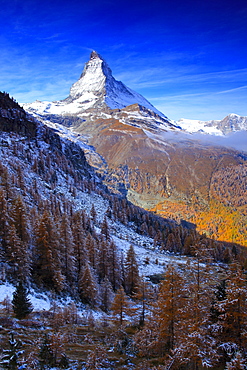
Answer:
(96, 89)
(230, 124)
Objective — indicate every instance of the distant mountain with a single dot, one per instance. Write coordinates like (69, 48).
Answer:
(230, 124)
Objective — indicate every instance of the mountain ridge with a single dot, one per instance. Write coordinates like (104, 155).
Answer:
(229, 124)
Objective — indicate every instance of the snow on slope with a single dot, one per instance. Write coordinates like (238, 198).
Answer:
(193, 126)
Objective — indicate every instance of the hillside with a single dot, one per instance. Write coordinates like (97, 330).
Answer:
(94, 259)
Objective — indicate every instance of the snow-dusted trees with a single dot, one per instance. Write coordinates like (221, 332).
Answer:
(195, 334)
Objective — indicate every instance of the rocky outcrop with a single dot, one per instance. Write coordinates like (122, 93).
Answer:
(14, 118)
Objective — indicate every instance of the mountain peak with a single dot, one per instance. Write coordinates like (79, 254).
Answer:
(95, 55)
(97, 84)
(91, 84)
(96, 89)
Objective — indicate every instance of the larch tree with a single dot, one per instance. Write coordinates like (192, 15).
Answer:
(120, 305)
(144, 296)
(161, 334)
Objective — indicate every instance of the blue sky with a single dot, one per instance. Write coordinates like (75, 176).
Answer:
(188, 58)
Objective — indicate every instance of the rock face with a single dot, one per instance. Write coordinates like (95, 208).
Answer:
(137, 149)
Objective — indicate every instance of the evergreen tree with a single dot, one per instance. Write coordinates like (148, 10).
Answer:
(78, 231)
(21, 304)
(132, 277)
(219, 296)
